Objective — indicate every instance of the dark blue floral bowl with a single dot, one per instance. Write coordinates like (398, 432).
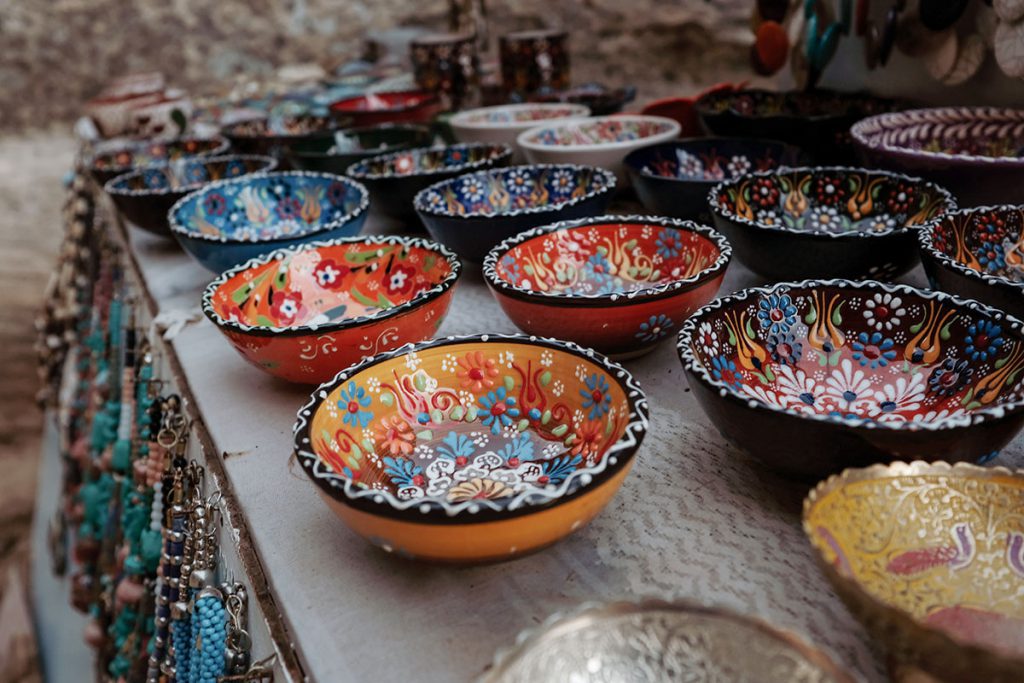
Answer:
(673, 178)
(474, 212)
(394, 179)
(231, 221)
(144, 196)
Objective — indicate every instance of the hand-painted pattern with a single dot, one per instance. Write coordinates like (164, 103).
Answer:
(145, 154)
(974, 132)
(522, 113)
(188, 173)
(451, 159)
(989, 241)
(473, 421)
(866, 355)
(832, 201)
(713, 160)
(282, 126)
(600, 132)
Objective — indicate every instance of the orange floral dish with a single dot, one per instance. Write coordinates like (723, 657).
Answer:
(930, 556)
(304, 313)
(472, 449)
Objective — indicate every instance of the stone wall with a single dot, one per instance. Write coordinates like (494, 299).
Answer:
(56, 53)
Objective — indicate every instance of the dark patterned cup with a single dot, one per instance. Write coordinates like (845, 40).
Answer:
(447, 64)
(533, 61)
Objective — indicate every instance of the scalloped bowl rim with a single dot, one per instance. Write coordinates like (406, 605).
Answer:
(670, 130)
(465, 119)
(223, 147)
(630, 161)
(110, 187)
(498, 153)
(926, 236)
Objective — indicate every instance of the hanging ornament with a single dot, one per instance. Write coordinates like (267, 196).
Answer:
(1009, 48)
(771, 48)
(968, 61)
(1009, 10)
(940, 61)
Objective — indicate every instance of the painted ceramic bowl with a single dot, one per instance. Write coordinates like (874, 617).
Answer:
(472, 449)
(602, 141)
(816, 121)
(304, 313)
(271, 136)
(977, 152)
(144, 196)
(931, 558)
(346, 147)
(472, 213)
(656, 640)
(815, 376)
(641, 276)
(403, 106)
(601, 100)
(797, 223)
(112, 160)
(394, 179)
(231, 221)
(978, 253)
(674, 178)
(503, 124)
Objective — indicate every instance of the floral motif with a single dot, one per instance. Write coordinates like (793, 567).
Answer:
(669, 243)
(476, 372)
(499, 409)
(587, 439)
(784, 348)
(563, 182)
(400, 280)
(478, 489)
(950, 377)
(330, 274)
(215, 204)
(723, 369)
(776, 313)
(884, 311)
(520, 181)
(984, 338)
(286, 307)
(353, 401)
(764, 193)
(903, 395)
(874, 350)
(657, 327)
(849, 387)
(708, 338)
(828, 190)
(596, 399)
(473, 188)
(802, 390)
(395, 435)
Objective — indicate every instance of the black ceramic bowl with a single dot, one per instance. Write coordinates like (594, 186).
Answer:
(797, 223)
(115, 158)
(816, 376)
(978, 253)
(816, 121)
(394, 179)
(472, 213)
(272, 136)
(335, 154)
(673, 178)
(146, 195)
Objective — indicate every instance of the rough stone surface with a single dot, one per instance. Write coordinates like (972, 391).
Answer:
(59, 52)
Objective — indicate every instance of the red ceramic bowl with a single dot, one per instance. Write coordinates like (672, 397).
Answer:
(303, 314)
(372, 109)
(619, 284)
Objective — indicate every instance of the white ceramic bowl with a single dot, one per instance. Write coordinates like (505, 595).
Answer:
(504, 123)
(601, 141)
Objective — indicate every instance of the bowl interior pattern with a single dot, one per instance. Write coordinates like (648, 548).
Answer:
(428, 160)
(514, 190)
(521, 114)
(982, 132)
(711, 160)
(600, 132)
(330, 283)
(989, 241)
(190, 172)
(831, 201)
(607, 258)
(945, 546)
(865, 355)
(480, 422)
(281, 126)
(149, 153)
(814, 104)
(364, 141)
(271, 206)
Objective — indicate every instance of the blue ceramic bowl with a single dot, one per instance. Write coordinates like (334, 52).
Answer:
(145, 195)
(472, 213)
(231, 221)
(673, 178)
(394, 179)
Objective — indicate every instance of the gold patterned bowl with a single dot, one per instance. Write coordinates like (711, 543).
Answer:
(660, 641)
(931, 558)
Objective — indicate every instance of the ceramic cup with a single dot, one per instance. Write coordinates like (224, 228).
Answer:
(534, 60)
(447, 64)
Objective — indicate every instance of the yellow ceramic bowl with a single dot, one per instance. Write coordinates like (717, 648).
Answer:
(931, 558)
(472, 449)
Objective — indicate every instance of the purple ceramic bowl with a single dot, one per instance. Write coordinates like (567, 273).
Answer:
(976, 152)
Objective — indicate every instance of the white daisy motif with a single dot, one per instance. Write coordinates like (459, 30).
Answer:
(849, 387)
(738, 165)
(882, 222)
(765, 395)
(883, 311)
(562, 181)
(519, 181)
(767, 217)
(933, 416)
(902, 396)
(800, 389)
(473, 189)
(689, 165)
(708, 338)
(824, 218)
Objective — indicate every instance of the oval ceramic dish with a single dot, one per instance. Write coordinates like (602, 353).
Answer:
(931, 558)
(394, 179)
(110, 161)
(797, 223)
(472, 213)
(231, 221)
(271, 136)
(656, 640)
(146, 195)
(640, 276)
(816, 121)
(346, 147)
(811, 377)
(979, 254)
(304, 313)
(400, 106)
(674, 178)
(472, 449)
(602, 141)
(502, 124)
(977, 152)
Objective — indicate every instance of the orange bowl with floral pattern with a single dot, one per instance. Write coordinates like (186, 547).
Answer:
(931, 558)
(640, 276)
(472, 449)
(304, 313)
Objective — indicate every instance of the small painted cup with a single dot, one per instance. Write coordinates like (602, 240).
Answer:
(534, 60)
(447, 64)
